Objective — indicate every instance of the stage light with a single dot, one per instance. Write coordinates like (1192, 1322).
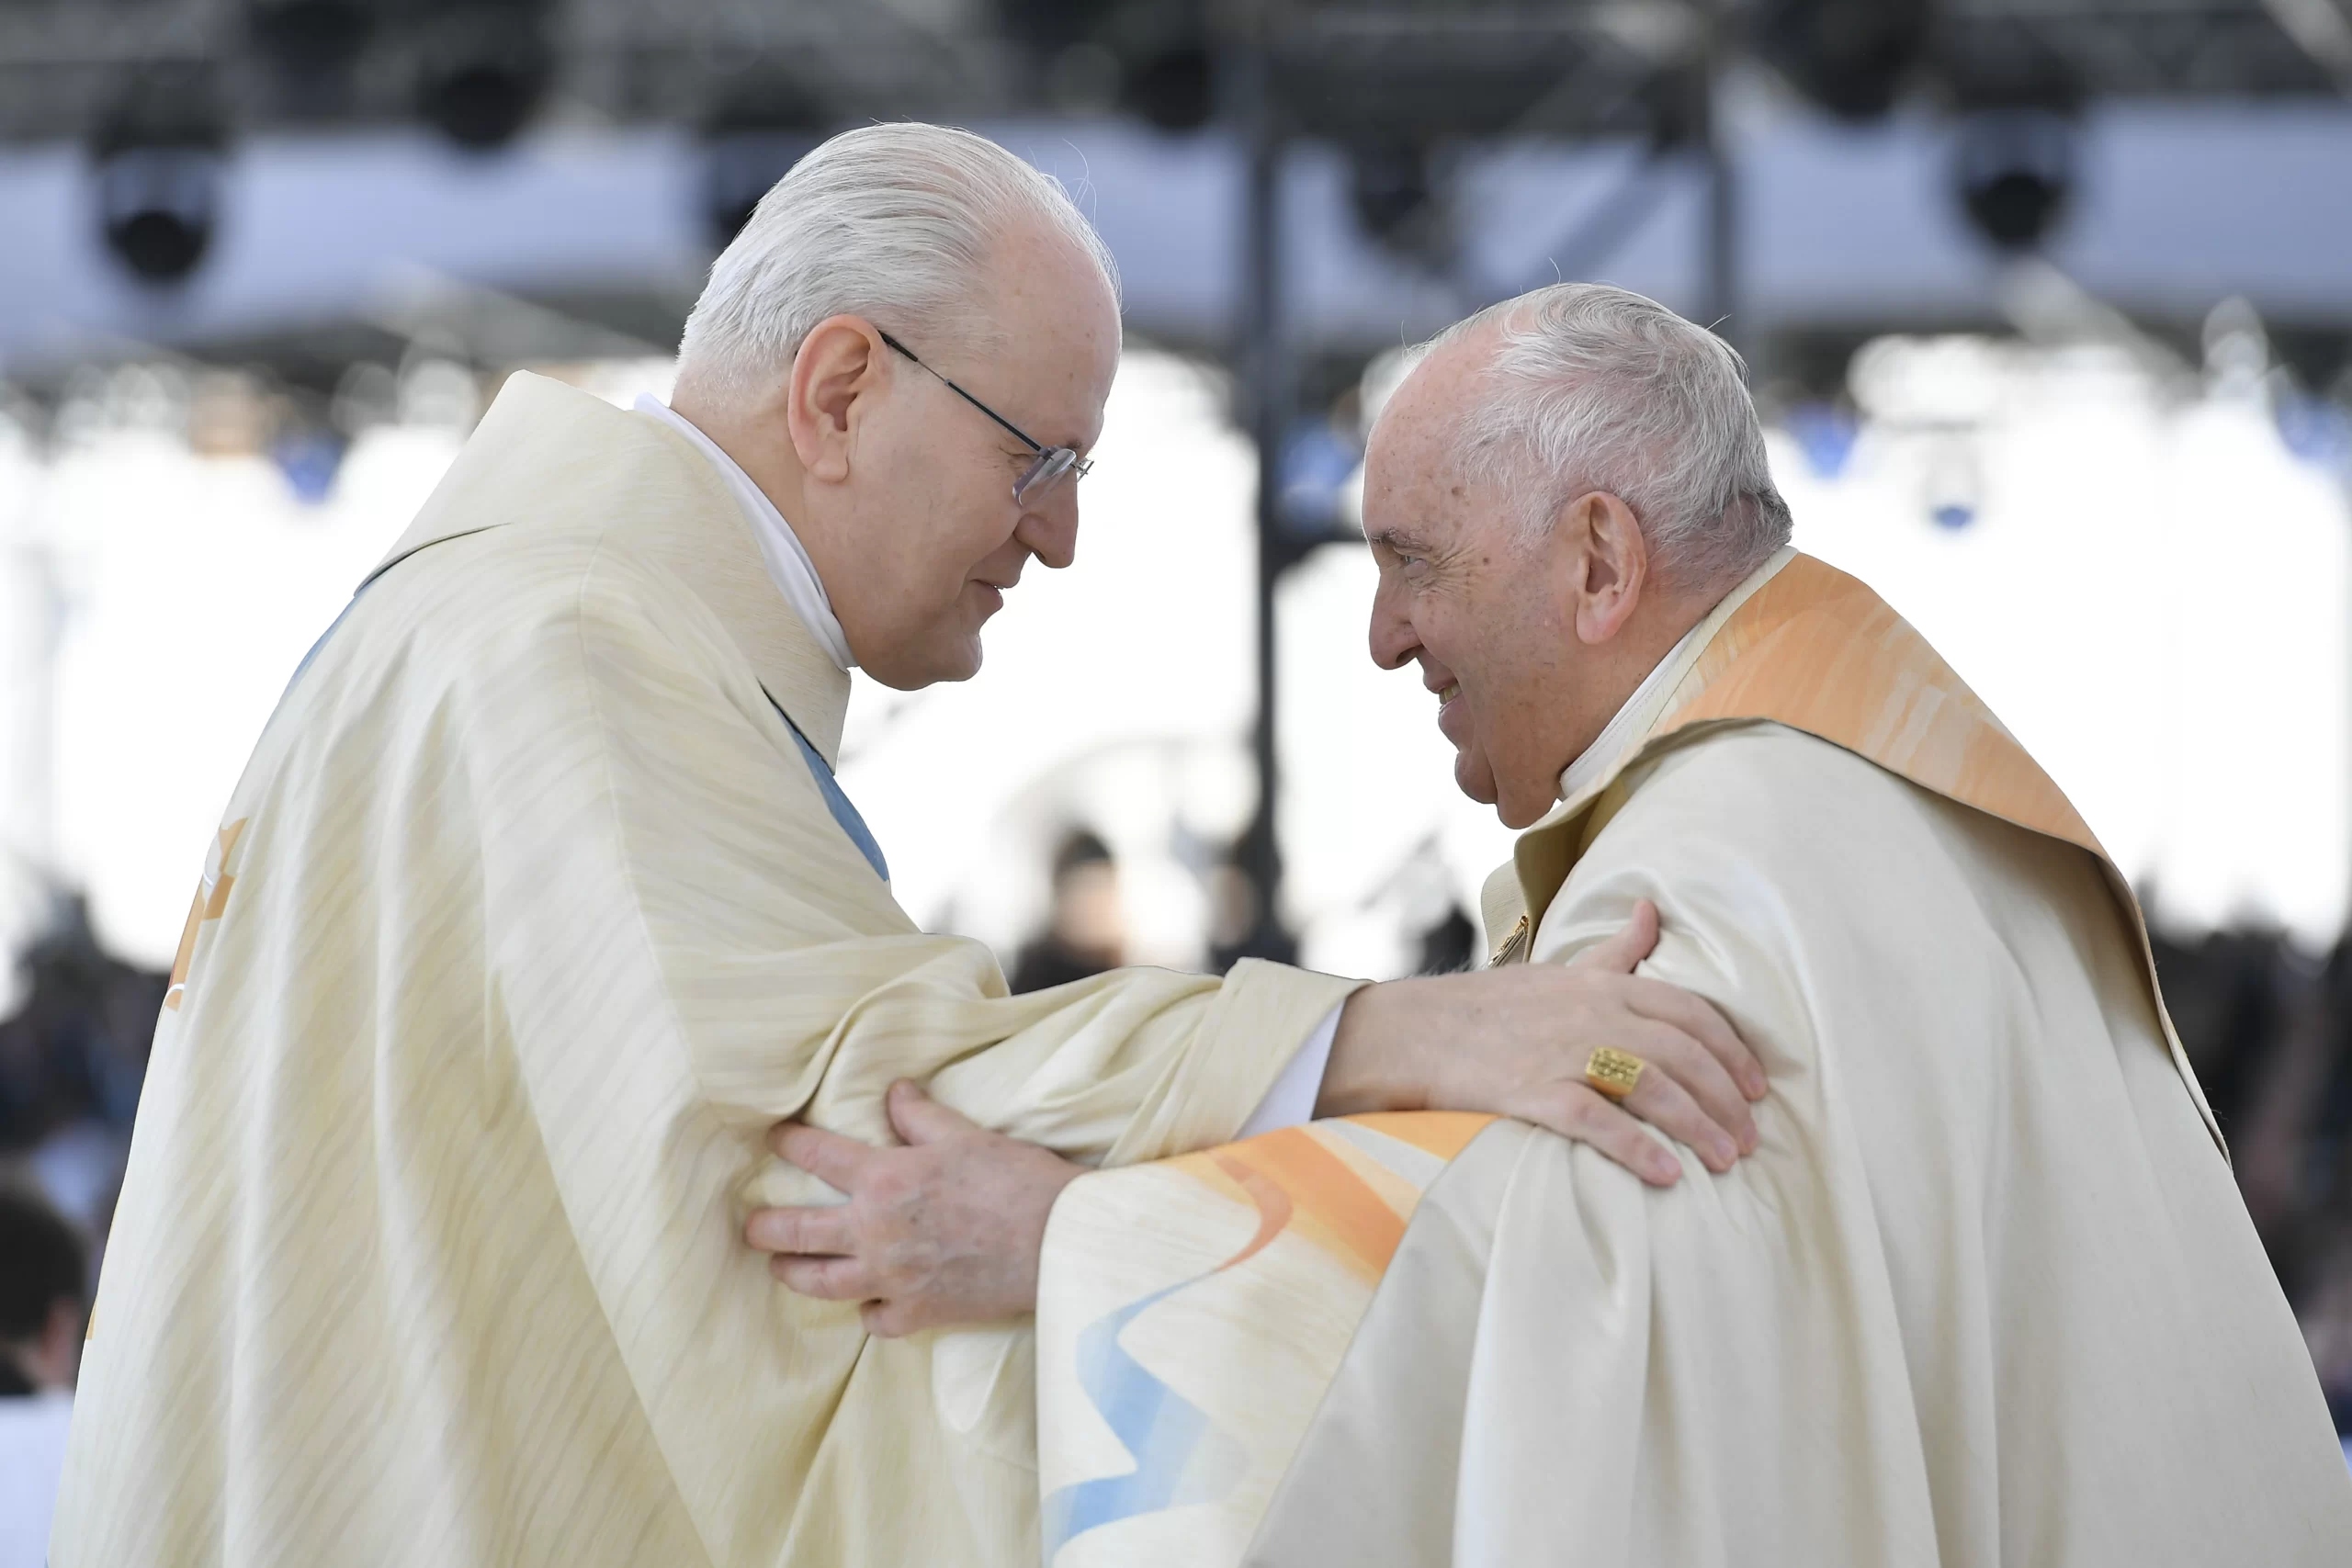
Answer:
(482, 68)
(157, 173)
(1851, 57)
(2014, 171)
(310, 48)
(755, 136)
(1172, 87)
(1154, 57)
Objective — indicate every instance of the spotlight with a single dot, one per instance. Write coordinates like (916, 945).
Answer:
(755, 137)
(1152, 56)
(310, 48)
(2014, 171)
(156, 168)
(1172, 87)
(1851, 57)
(482, 69)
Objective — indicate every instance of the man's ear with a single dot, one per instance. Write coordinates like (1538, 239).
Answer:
(1615, 564)
(841, 363)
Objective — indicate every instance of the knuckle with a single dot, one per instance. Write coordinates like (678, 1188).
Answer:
(1585, 1112)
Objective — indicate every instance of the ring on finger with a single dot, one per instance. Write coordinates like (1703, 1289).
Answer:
(1613, 1072)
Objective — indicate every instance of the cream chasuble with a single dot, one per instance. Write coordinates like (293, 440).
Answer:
(527, 919)
(1985, 1295)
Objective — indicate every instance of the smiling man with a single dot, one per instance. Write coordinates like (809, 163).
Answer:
(1985, 1295)
(538, 904)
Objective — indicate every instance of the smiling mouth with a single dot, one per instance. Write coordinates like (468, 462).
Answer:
(1449, 693)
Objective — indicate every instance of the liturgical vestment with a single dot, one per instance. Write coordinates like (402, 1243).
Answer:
(530, 915)
(1984, 1297)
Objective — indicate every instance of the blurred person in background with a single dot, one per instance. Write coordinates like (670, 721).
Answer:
(43, 1284)
(539, 905)
(72, 1057)
(1985, 1294)
(1087, 934)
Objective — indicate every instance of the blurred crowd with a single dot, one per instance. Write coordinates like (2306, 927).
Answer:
(2269, 1031)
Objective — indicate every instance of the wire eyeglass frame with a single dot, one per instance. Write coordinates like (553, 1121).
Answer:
(1052, 465)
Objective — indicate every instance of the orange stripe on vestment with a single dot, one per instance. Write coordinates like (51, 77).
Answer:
(1324, 1190)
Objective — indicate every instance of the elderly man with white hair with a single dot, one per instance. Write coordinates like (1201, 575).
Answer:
(539, 905)
(1984, 1295)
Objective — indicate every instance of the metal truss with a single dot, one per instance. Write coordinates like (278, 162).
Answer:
(1385, 69)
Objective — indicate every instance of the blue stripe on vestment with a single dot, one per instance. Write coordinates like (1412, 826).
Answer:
(836, 802)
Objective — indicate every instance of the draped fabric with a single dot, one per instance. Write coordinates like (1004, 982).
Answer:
(527, 919)
(1983, 1296)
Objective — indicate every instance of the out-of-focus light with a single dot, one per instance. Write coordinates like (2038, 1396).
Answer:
(1317, 464)
(1851, 57)
(1150, 58)
(1948, 381)
(484, 66)
(2319, 432)
(2014, 170)
(310, 458)
(758, 133)
(157, 174)
(310, 48)
(1172, 87)
(1824, 432)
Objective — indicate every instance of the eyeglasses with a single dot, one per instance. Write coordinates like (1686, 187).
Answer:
(1051, 465)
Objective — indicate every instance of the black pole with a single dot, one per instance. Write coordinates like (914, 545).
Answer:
(1720, 241)
(1265, 358)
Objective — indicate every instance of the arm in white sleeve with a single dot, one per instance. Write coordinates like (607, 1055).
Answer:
(1292, 1100)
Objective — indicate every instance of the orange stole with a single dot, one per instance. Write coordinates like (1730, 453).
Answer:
(1342, 1200)
(1819, 651)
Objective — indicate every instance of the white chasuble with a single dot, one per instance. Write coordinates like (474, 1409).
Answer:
(530, 915)
(1985, 1296)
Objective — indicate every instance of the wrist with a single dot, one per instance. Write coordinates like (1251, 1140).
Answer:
(1049, 1179)
(1379, 1052)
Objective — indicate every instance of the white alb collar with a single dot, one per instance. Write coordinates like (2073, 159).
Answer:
(788, 565)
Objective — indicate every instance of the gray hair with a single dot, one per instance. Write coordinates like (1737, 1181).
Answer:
(1595, 388)
(891, 222)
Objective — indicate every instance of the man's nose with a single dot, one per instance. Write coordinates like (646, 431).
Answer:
(1050, 526)
(1393, 642)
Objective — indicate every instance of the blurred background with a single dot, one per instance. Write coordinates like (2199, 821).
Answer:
(2048, 302)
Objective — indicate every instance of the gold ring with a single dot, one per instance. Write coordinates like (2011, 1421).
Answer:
(1613, 1072)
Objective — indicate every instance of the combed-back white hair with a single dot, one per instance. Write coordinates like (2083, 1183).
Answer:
(1591, 388)
(892, 223)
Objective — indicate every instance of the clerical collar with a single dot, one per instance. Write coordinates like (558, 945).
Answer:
(1634, 719)
(789, 568)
